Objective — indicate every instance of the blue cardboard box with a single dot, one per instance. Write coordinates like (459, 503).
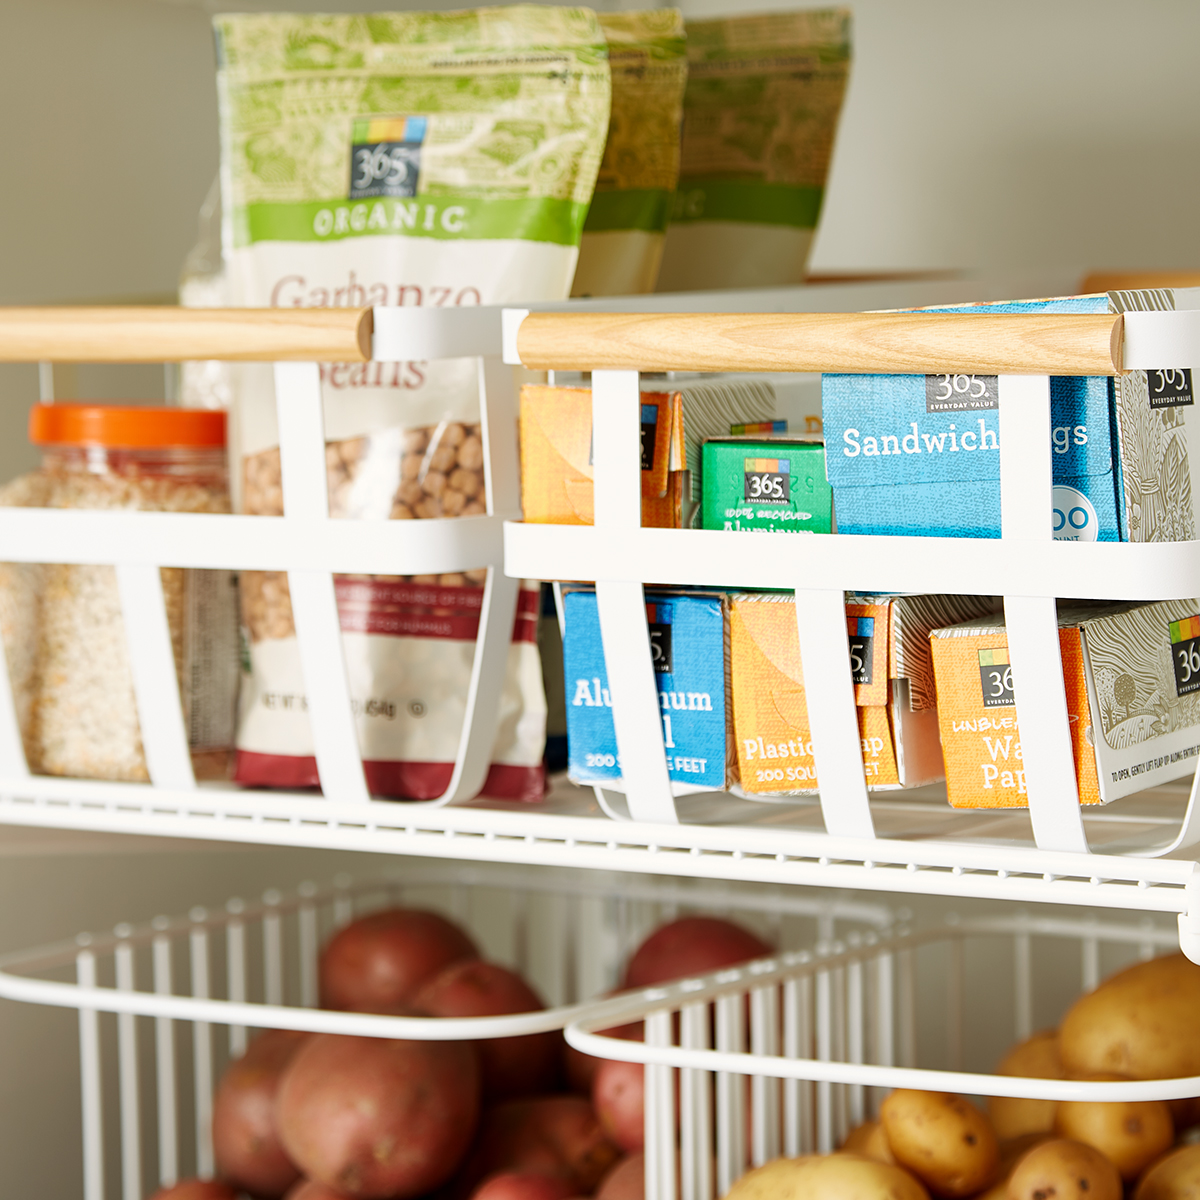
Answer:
(688, 645)
(919, 454)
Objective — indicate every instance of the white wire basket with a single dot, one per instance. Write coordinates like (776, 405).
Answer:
(1024, 565)
(787, 1055)
(163, 1006)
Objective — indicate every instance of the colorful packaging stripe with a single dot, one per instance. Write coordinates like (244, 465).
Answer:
(389, 129)
(773, 466)
(1184, 631)
(759, 427)
(994, 657)
(863, 627)
(658, 614)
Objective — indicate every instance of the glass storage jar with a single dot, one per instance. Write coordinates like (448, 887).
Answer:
(64, 633)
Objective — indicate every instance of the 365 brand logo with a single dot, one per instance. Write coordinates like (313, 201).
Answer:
(1185, 654)
(1169, 389)
(961, 393)
(385, 156)
(995, 678)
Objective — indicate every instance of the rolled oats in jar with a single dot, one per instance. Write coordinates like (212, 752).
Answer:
(64, 632)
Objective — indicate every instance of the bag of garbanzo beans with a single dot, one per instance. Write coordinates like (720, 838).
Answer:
(398, 158)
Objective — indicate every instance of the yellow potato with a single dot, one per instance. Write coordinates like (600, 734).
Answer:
(1012, 1150)
(1176, 1176)
(1140, 1023)
(1064, 1170)
(839, 1176)
(869, 1140)
(1035, 1058)
(943, 1139)
(1130, 1134)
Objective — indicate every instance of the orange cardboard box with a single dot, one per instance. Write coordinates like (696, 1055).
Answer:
(556, 447)
(556, 457)
(893, 676)
(1131, 700)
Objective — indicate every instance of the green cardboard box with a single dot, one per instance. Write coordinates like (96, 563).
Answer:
(765, 485)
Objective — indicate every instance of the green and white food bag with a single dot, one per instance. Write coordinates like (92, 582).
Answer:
(760, 113)
(623, 235)
(398, 158)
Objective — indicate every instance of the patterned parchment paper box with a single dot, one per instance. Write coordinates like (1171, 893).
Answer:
(688, 648)
(1132, 676)
(893, 686)
(556, 447)
(913, 454)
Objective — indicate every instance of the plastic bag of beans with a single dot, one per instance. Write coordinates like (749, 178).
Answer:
(398, 158)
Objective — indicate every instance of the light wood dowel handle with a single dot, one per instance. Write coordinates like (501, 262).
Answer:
(887, 343)
(164, 334)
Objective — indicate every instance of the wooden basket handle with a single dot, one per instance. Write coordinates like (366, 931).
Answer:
(887, 343)
(165, 334)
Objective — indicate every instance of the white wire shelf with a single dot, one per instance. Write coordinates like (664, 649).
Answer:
(900, 843)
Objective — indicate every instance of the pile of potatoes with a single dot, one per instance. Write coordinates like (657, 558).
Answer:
(1142, 1023)
(329, 1117)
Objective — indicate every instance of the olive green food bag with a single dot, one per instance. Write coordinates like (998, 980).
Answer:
(623, 236)
(760, 113)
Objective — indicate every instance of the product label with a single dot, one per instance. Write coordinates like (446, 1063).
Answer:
(862, 638)
(385, 156)
(995, 678)
(1169, 389)
(961, 393)
(649, 435)
(1074, 516)
(658, 619)
(1185, 655)
(767, 481)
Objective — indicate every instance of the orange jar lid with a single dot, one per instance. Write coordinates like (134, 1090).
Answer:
(128, 426)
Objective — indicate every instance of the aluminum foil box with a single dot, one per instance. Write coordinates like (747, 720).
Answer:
(688, 646)
(919, 454)
(765, 485)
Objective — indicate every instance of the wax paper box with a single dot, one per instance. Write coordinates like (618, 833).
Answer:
(1132, 678)
(893, 686)
(688, 645)
(765, 485)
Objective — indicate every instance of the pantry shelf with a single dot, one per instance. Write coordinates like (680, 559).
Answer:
(926, 849)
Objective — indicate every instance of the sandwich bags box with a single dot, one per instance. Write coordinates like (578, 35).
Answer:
(893, 685)
(771, 485)
(912, 454)
(688, 648)
(1132, 677)
(920, 454)
(556, 447)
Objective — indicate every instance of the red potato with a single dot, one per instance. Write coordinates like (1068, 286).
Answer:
(382, 960)
(691, 946)
(511, 1067)
(522, 1185)
(549, 1135)
(378, 1118)
(619, 1098)
(246, 1144)
(626, 1181)
(196, 1189)
(580, 1069)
